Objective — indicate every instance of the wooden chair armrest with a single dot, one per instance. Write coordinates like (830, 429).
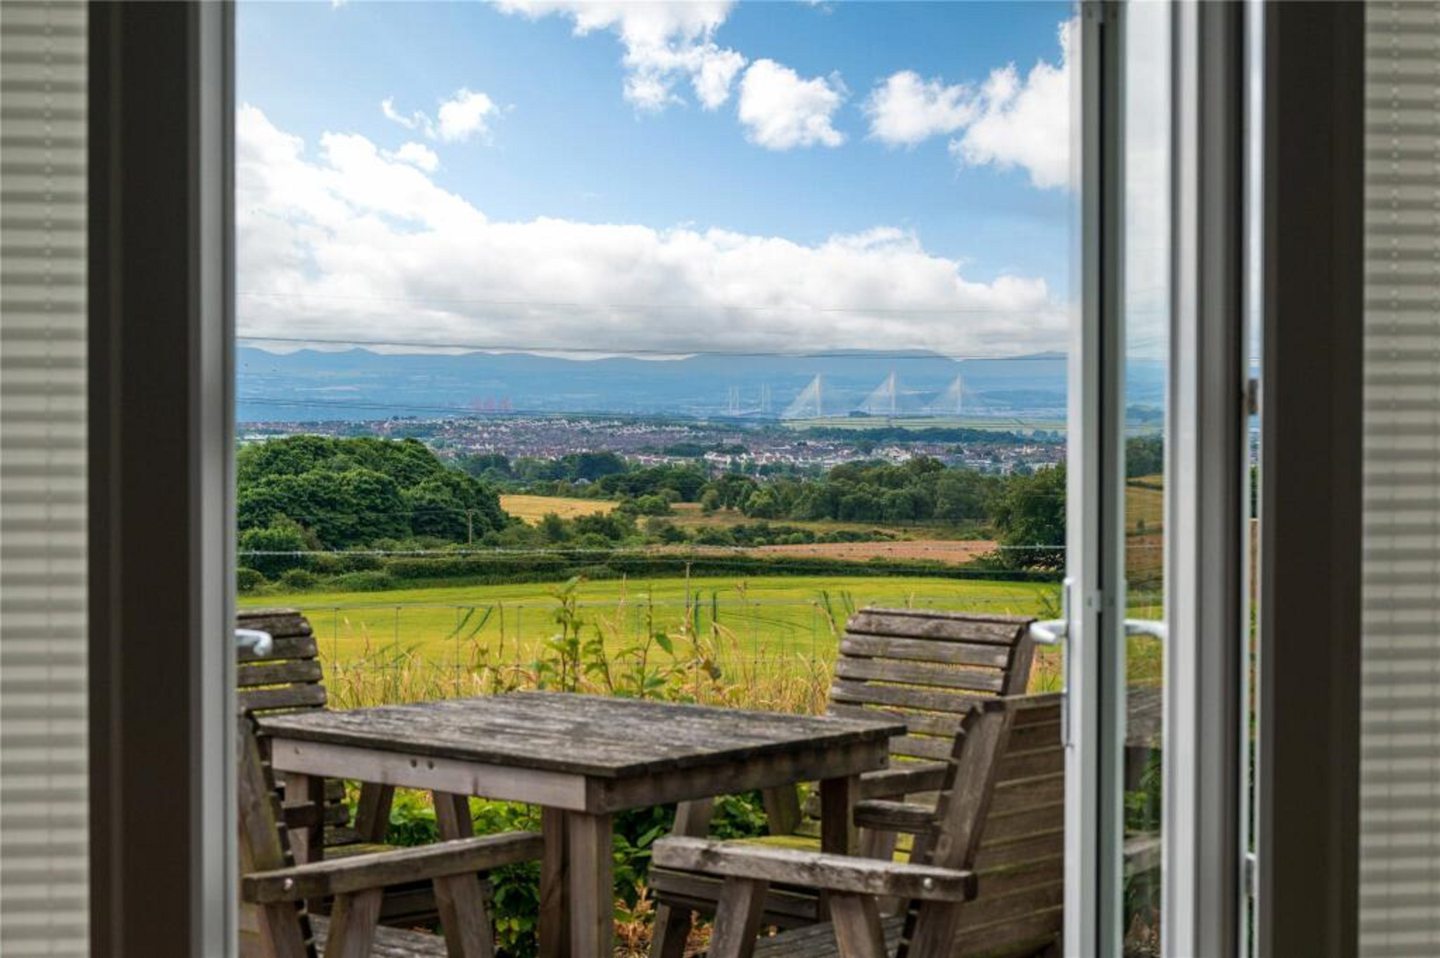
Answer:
(308, 815)
(906, 779)
(378, 869)
(835, 873)
(894, 816)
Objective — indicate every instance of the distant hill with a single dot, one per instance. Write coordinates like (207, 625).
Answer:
(359, 384)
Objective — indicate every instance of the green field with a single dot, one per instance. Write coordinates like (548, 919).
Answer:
(774, 624)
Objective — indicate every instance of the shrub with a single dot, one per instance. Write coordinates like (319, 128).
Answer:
(248, 580)
(367, 581)
(299, 579)
(282, 536)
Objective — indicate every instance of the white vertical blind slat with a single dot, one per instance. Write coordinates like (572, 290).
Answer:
(44, 891)
(1400, 684)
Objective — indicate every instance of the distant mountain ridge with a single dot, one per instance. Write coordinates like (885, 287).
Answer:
(359, 384)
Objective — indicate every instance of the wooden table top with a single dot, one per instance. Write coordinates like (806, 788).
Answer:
(589, 735)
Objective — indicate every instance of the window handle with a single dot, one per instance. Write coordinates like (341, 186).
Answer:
(254, 641)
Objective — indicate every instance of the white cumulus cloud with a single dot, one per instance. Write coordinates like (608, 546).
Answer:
(1025, 122)
(416, 154)
(1010, 121)
(907, 109)
(341, 241)
(665, 41)
(465, 114)
(781, 111)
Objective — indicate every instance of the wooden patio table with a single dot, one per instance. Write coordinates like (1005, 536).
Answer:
(582, 758)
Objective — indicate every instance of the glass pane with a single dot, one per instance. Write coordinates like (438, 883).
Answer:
(1147, 268)
(632, 349)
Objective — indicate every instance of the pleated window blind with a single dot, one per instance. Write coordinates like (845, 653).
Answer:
(1400, 720)
(43, 810)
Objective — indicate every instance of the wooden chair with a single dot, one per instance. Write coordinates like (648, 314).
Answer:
(923, 667)
(274, 921)
(986, 878)
(290, 678)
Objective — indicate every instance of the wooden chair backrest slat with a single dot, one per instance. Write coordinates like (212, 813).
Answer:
(928, 668)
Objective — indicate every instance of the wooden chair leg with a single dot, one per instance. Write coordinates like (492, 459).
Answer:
(672, 924)
(352, 924)
(459, 899)
(737, 918)
(670, 931)
(856, 920)
(464, 918)
(880, 843)
(782, 809)
(372, 814)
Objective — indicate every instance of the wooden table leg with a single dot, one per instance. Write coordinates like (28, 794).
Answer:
(838, 834)
(591, 897)
(554, 938)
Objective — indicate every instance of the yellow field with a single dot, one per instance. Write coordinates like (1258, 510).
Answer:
(534, 508)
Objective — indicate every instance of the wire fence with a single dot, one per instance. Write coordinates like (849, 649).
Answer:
(759, 652)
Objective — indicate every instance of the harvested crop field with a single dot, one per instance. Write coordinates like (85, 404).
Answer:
(949, 551)
(534, 508)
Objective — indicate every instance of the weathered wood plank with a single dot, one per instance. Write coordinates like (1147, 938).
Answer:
(356, 872)
(895, 816)
(288, 647)
(923, 723)
(920, 673)
(278, 673)
(934, 625)
(836, 873)
(280, 623)
(818, 941)
(1011, 825)
(577, 733)
(1018, 904)
(1027, 935)
(920, 746)
(1032, 845)
(1023, 793)
(904, 696)
(905, 779)
(389, 942)
(285, 697)
(784, 907)
(976, 655)
(1031, 763)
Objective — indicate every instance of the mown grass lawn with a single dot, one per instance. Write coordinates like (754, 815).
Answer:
(781, 621)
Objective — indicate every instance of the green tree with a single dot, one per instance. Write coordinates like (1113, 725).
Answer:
(1030, 517)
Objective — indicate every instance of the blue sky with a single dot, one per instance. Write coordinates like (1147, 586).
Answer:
(842, 158)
